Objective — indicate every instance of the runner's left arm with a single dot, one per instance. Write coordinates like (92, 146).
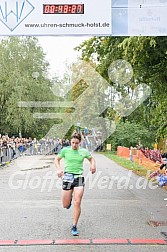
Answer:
(92, 165)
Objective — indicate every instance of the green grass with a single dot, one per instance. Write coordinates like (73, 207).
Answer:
(136, 168)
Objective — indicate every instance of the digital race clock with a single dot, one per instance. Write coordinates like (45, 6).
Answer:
(63, 8)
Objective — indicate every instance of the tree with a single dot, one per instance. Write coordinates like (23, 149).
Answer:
(147, 55)
(23, 78)
(129, 133)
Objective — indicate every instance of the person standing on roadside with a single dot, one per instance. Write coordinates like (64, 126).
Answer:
(72, 176)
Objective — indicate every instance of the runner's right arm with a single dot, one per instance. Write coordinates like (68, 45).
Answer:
(58, 167)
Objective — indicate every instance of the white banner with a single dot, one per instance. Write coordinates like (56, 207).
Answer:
(147, 21)
(138, 3)
(139, 17)
(50, 17)
(147, 3)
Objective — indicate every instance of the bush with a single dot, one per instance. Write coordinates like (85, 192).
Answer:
(128, 134)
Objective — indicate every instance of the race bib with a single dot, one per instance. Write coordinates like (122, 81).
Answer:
(68, 177)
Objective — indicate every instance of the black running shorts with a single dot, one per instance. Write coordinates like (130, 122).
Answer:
(77, 182)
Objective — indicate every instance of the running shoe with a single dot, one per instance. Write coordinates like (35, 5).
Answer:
(74, 231)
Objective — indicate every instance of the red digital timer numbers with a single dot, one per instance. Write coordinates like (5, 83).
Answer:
(63, 8)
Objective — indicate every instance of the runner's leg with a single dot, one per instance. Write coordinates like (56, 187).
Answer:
(66, 197)
(78, 193)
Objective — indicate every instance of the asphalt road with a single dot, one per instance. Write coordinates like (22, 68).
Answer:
(117, 204)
